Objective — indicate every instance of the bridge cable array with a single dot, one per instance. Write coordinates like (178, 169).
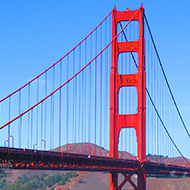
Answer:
(175, 103)
(147, 91)
(12, 115)
(23, 113)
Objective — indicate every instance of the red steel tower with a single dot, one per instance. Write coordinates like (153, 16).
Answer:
(137, 120)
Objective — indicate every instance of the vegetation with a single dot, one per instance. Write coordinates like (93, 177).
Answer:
(3, 171)
(81, 181)
(37, 182)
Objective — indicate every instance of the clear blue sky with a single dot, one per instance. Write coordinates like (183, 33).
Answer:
(36, 33)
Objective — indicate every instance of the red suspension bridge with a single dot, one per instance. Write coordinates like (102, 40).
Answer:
(104, 106)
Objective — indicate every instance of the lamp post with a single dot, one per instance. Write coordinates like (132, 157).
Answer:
(5, 142)
(44, 144)
(12, 140)
(34, 146)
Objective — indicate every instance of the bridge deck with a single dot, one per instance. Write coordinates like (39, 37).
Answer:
(50, 160)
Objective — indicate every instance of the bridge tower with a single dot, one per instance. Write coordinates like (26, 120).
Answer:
(137, 120)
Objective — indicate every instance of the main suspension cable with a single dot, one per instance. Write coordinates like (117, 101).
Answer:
(159, 60)
(151, 97)
(66, 82)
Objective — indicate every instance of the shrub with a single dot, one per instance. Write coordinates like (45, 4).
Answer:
(80, 180)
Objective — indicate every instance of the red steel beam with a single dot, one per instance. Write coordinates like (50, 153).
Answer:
(136, 121)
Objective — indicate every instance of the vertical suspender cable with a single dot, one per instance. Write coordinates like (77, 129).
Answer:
(42, 125)
(31, 128)
(28, 138)
(147, 104)
(85, 100)
(67, 105)
(37, 112)
(60, 106)
(80, 96)
(95, 92)
(74, 104)
(41, 133)
(100, 92)
(45, 110)
(151, 89)
(106, 88)
(52, 108)
(89, 101)
(82, 106)
(165, 151)
(9, 130)
(159, 103)
(20, 121)
(73, 95)
(156, 102)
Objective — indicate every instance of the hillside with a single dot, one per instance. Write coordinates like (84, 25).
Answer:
(100, 181)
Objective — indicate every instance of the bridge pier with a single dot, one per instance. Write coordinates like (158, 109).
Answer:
(142, 180)
(137, 120)
(113, 181)
(140, 184)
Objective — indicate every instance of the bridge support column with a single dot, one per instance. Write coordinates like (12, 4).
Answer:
(136, 121)
(140, 184)
(141, 180)
(113, 181)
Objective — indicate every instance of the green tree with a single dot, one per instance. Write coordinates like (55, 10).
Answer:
(43, 176)
(64, 180)
(24, 178)
(49, 181)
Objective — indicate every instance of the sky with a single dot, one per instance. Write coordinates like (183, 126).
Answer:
(36, 33)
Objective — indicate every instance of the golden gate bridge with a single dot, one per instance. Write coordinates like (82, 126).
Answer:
(104, 106)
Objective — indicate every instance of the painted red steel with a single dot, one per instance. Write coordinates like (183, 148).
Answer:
(16, 158)
(136, 121)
